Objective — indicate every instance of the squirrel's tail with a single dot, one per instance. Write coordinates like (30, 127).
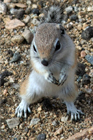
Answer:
(53, 15)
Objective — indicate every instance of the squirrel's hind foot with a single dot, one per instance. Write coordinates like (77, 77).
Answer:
(73, 111)
(22, 109)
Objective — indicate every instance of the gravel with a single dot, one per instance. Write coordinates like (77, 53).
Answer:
(50, 114)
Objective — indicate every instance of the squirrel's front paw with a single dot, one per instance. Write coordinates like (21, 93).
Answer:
(22, 109)
(50, 78)
(62, 78)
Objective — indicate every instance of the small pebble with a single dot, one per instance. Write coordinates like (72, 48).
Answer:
(58, 131)
(3, 127)
(34, 121)
(87, 33)
(35, 11)
(90, 8)
(7, 1)
(28, 36)
(83, 54)
(89, 58)
(3, 8)
(12, 122)
(28, 10)
(17, 12)
(55, 123)
(85, 26)
(16, 57)
(27, 19)
(5, 92)
(80, 71)
(86, 79)
(73, 17)
(41, 137)
(17, 39)
(69, 9)
(64, 119)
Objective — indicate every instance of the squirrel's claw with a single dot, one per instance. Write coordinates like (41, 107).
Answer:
(22, 110)
(63, 78)
(50, 78)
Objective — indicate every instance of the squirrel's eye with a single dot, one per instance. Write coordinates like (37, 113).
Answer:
(57, 46)
(34, 48)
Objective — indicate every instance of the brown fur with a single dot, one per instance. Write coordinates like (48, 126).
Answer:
(23, 86)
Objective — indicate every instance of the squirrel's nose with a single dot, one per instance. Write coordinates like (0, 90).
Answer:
(44, 62)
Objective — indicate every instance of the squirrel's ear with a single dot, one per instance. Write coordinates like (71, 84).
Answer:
(61, 28)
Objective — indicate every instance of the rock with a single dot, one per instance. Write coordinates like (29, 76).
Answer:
(7, 1)
(28, 3)
(28, 36)
(59, 131)
(79, 27)
(11, 80)
(17, 12)
(39, 109)
(86, 79)
(75, 8)
(5, 92)
(89, 90)
(79, 79)
(91, 72)
(17, 39)
(12, 24)
(3, 8)
(40, 4)
(69, 9)
(83, 54)
(12, 122)
(81, 135)
(28, 10)
(85, 26)
(34, 121)
(34, 6)
(55, 123)
(64, 119)
(41, 137)
(16, 57)
(3, 127)
(20, 5)
(35, 22)
(86, 139)
(27, 19)
(35, 11)
(89, 58)
(73, 17)
(80, 71)
(3, 75)
(90, 8)
(87, 33)
(70, 25)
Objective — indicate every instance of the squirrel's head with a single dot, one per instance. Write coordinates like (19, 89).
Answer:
(47, 43)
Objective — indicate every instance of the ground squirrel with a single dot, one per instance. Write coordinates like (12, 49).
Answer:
(53, 61)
